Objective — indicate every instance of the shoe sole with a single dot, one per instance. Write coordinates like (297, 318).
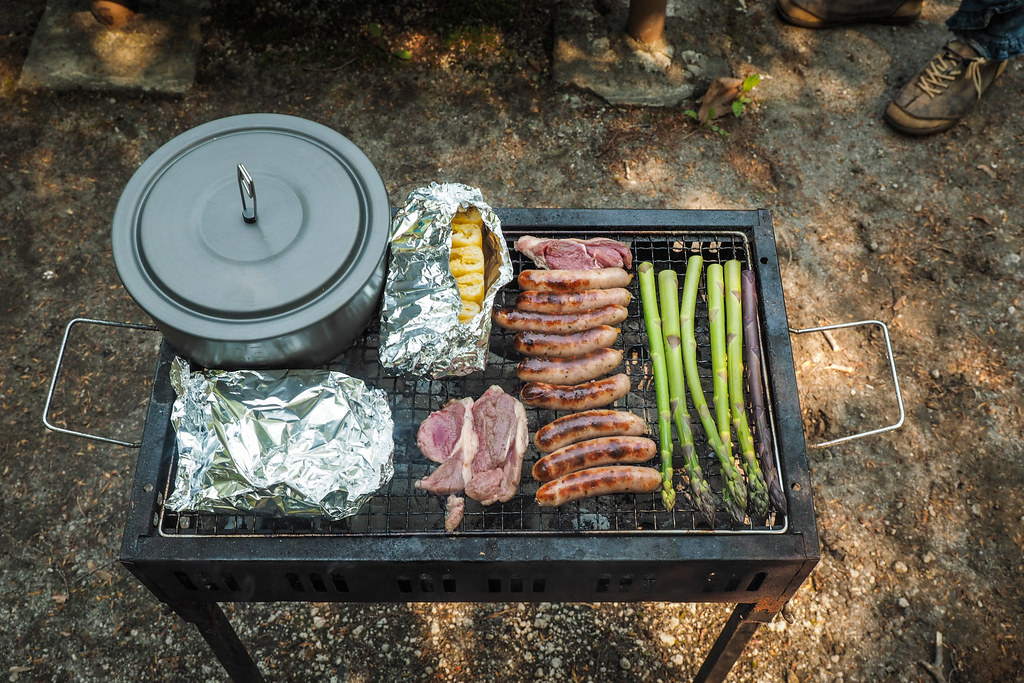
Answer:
(798, 17)
(894, 114)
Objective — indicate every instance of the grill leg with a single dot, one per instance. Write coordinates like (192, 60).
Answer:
(735, 635)
(221, 637)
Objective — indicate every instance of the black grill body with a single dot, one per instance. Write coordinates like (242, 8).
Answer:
(626, 548)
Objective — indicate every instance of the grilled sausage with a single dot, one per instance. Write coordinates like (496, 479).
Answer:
(569, 370)
(605, 450)
(589, 424)
(575, 397)
(552, 345)
(598, 481)
(572, 302)
(560, 323)
(573, 280)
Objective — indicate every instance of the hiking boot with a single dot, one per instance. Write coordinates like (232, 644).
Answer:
(829, 13)
(942, 94)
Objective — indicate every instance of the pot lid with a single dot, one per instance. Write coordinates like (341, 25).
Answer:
(258, 220)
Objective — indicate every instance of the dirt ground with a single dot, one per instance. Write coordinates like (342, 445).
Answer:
(921, 528)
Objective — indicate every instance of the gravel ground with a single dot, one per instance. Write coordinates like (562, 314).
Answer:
(921, 528)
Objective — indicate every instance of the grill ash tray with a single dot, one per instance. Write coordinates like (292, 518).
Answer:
(624, 547)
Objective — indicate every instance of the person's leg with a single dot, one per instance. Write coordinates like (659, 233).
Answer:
(829, 13)
(988, 32)
(994, 29)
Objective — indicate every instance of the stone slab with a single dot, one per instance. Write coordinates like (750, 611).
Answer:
(593, 52)
(155, 52)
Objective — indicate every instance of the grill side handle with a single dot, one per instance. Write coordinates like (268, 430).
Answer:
(56, 374)
(892, 369)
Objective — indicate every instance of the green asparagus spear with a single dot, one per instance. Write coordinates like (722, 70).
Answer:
(720, 377)
(699, 491)
(752, 354)
(734, 489)
(652, 321)
(757, 489)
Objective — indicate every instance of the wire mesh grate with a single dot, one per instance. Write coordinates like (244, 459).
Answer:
(401, 509)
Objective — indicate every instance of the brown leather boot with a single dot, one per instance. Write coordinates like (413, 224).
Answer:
(114, 14)
(829, 13)
(945, 90)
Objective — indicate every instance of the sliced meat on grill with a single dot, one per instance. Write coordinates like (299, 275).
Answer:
(448, 432)
(447, 436)
(500, 424)
(454, 508)
(447, 479)
(480, 445)
(575, 254)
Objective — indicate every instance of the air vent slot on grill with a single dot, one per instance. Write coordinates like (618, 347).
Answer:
(716, 583)
(427, 583)
(185, 581)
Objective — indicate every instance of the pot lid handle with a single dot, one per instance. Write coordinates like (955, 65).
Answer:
(248, 190)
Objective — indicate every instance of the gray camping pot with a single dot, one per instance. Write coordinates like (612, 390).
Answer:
(257, 240)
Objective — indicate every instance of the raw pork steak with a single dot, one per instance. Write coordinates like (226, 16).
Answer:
(499, 421)
(575, 254)
(447, 437)
(480, 445)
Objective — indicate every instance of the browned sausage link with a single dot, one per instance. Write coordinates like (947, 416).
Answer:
(573, 280)
(564, 345)
(589, 424)
(569, 370)
(598, 481)
(561, 323)
(595, 394)
(605, 450)
(572, 302)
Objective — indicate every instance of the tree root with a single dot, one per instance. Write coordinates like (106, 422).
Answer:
(935, 667)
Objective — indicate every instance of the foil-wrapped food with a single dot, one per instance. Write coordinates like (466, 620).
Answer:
(278, 442)
(436, 315)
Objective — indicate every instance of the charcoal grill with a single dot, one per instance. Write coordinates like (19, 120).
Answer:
(622, 548)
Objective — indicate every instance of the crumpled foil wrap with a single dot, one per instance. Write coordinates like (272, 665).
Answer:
(420, 331)
(278, 442)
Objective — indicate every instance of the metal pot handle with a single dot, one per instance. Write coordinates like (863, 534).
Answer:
(892, 369)
(56, 372)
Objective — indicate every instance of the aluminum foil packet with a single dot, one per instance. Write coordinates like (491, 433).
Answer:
(278, 442)
(420, 330)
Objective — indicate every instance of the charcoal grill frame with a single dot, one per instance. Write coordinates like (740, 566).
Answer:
(757, 573)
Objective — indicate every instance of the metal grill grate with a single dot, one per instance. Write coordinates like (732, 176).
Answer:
(400, 509)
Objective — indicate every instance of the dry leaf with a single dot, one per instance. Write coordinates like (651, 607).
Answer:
(719, 97)
(59, 598)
